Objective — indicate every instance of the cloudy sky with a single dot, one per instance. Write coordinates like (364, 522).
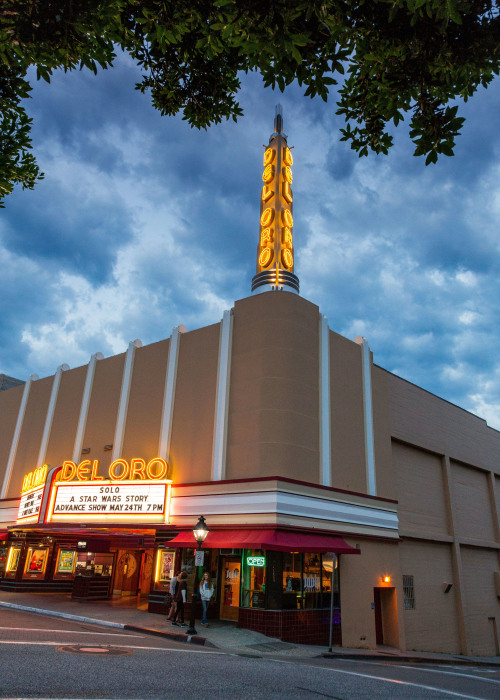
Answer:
(142, 224)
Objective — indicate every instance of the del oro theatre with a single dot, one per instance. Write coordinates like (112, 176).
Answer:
(321, 476)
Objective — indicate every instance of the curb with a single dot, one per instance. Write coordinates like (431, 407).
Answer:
(464, 661)
(187, 639)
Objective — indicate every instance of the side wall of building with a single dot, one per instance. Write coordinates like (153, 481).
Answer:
(447, 467)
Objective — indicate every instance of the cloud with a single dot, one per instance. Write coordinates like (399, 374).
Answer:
(143, 223)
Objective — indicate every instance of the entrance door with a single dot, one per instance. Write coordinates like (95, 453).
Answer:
(230, 589)
(127, 572)
(386, 616)
(146, 572)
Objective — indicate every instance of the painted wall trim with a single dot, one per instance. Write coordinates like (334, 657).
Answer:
(124, 396)
(167, 415)
(17, 433)
(42, 454)
(222, 399)
(324, 403)
(84, 408)
(366, 364)
(283, 503)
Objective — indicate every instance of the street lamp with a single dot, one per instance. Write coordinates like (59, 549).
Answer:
(330, 564)
(200, 531)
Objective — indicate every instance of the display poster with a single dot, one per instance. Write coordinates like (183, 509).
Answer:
(35, 561)
(66, 561)
(13, 559)
(167, 559)
(199, 557)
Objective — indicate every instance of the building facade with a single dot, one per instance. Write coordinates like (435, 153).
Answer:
(322, 477)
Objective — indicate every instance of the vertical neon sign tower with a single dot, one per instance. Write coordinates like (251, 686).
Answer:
(275, 256)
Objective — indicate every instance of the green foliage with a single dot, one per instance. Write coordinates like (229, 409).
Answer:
(392, 58)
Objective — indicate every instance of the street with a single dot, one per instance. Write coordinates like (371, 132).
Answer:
(45, 657)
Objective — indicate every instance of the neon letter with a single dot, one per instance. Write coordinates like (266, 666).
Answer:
(287, 192)
(267, 193)
(287, 257)
(268, 156)
(68, 471)
(112, 469)
(162, 474)
(83, 471)
(267, 217)
(268, 173)
(265, 257)
(137, 467)
(287, 156)
(287, 217)
(286, 237)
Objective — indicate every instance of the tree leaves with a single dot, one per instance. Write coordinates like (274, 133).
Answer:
(391, 58)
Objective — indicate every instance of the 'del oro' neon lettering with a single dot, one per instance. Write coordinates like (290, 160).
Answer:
(268, 156)
(119, 470)
(265, 257)
(267, 216)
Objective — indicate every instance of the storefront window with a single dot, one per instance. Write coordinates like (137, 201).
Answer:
(91, 564)
(292, 577)
(254, 579)
(311, 581)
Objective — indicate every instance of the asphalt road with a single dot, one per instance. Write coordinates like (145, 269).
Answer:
(44, 657)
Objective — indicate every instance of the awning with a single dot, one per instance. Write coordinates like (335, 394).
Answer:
(276, 540)
(4, 534)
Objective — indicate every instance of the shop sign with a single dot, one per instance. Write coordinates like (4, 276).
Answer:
(110, 501)
(276, 219)
(119, 470)
(256, 561)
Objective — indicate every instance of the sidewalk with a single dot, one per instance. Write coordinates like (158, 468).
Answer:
(126, 613)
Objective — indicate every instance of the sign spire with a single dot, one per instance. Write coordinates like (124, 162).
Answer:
(275, 255)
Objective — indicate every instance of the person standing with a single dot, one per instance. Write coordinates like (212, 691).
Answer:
(180, 599)
(206, 592)
(172, 591)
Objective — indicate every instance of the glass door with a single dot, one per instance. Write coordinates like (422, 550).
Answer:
(230, 593)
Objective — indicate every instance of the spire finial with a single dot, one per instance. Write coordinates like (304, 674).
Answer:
(278, 119)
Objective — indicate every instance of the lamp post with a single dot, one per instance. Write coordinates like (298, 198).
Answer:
(200, 531)
(330, 564)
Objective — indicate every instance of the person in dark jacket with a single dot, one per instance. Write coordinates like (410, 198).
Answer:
(180, 599)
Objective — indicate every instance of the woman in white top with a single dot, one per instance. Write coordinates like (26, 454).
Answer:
(206, 592)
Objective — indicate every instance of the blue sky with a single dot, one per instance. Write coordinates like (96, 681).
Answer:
(142, 224)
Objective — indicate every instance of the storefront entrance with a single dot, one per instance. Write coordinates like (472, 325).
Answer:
(230, 589)
(133, 572)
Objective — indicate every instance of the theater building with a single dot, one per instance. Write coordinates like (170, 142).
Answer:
(291, 443)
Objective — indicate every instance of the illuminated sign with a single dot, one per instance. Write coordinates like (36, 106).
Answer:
(256, 561)
(29, 507)
(114, 501)
(276, 220)
(35, 478)
(119, 470)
